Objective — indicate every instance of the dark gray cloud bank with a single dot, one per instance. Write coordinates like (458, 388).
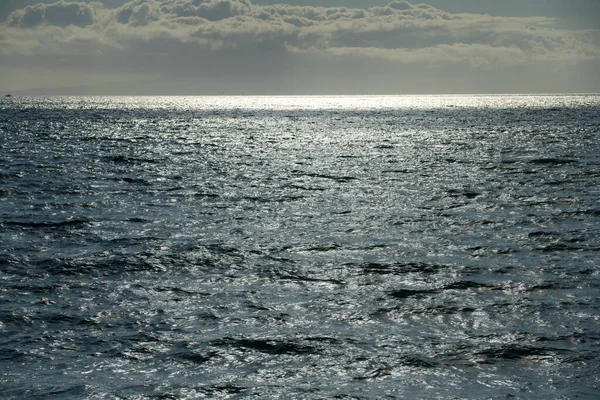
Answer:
(236, 47)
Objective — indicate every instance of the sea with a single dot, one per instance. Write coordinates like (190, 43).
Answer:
(326, 247)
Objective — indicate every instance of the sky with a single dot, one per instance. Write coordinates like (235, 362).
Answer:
(299, 47)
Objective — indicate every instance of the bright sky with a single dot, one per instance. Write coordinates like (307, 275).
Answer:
(200, 47)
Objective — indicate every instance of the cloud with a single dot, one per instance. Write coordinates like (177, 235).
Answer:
(400, 5)
(191, 37)
(60, 14)
(475, 55)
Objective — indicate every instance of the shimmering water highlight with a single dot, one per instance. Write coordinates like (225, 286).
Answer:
(300, 247)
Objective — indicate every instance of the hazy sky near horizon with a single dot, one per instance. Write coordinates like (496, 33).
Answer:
(200, 47)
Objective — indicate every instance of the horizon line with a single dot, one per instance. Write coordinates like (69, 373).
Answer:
(24, 94)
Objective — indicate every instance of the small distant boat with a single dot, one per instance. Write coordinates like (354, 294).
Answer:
(8, 95)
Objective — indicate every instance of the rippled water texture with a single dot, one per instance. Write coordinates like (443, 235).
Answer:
(341, 247)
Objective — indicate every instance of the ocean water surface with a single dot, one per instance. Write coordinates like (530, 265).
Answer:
(300, 247)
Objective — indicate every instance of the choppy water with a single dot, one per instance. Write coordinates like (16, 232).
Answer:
(271, 247)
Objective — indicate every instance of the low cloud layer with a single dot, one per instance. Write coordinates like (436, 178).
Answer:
(282, 48)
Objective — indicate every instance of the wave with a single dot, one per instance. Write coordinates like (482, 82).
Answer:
(60, 224)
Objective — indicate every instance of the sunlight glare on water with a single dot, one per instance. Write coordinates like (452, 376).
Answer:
(258, 103)
(299, 247)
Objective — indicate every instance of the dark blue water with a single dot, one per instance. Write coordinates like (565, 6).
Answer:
(281, 247)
